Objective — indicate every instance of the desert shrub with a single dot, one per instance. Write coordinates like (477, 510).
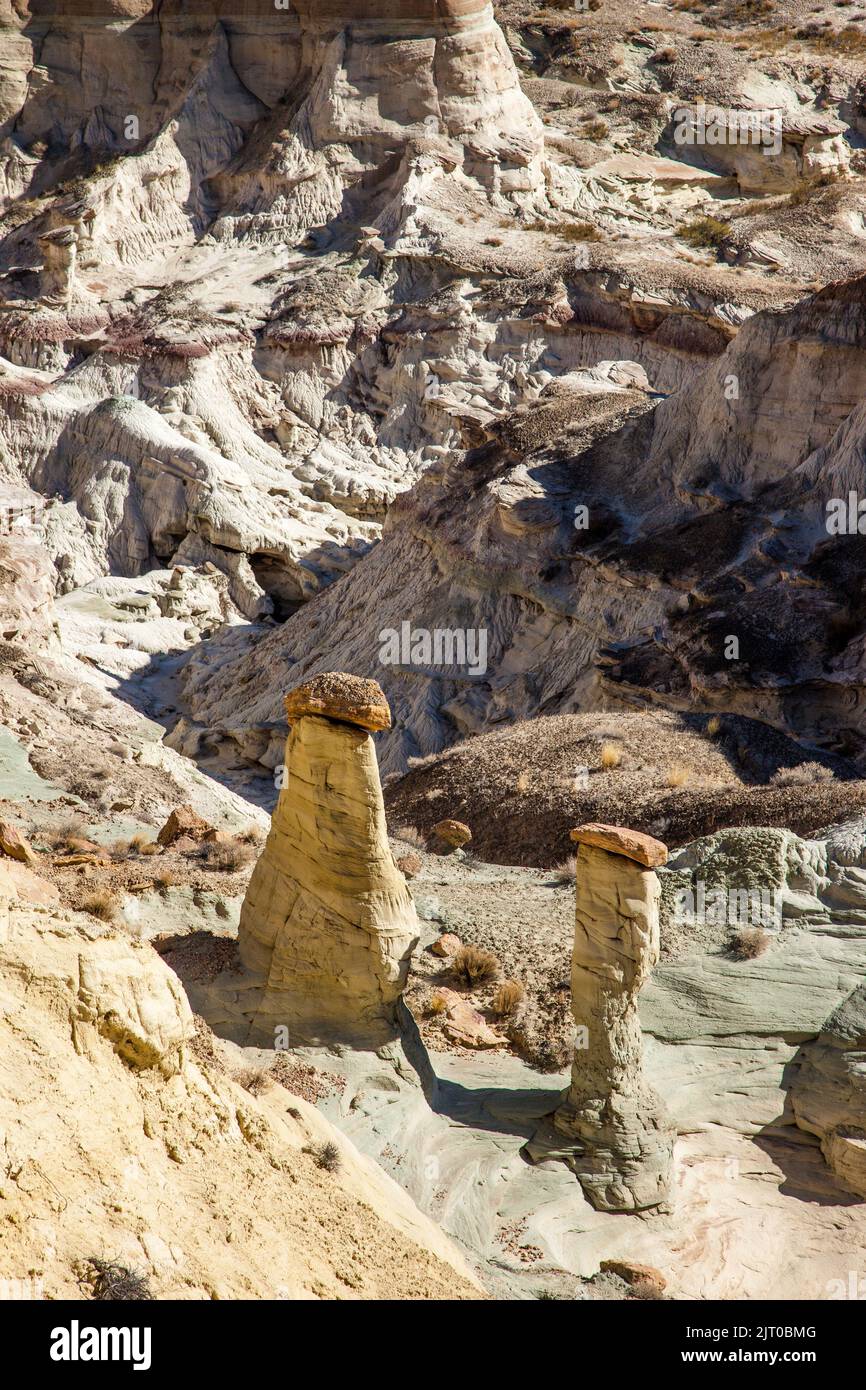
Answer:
(474, 965)
(436, 1004)
(253, 1079)
(508, 998)
(166, 878)
(566, 872)
(252, 835)
(134, 845)
(714, 726)
(410, 836)
(704, 232)
(749, 942)
(595, 128)
(523, 782)
(611, 756)
(227, 858)
(678, 775)
(664, 55)
(151, 848)
(804, 775)
(62, 836)
(111, 1280)
(805, 187)
(327, 1156)
(647, 1291)
(580, 231)
(101, 903)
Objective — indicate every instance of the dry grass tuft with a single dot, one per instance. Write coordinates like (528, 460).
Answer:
(436, 1004)
(253, 835)
(611, 756)
(112, 1281)
(804, 775)
(410, 836)
(136, 844)
(508, 998)
(327, 1156)
(566, 872)
(474, 965)
(101, 903)
(678, 776)
(228, 858)
(749, 942)
(253, 1079)
(714, 726)
(704, 232)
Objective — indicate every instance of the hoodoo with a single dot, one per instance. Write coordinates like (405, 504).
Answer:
(612, 1128)
(328, 922)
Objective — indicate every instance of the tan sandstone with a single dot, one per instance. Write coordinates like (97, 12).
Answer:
(619, 840)
(453, 833)
(328, 924)
(612, 1128)
(183, 823)
(336, 695)
(15, 845)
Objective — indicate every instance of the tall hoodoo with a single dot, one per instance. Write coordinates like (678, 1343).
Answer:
(328, 922)
(612, 1128)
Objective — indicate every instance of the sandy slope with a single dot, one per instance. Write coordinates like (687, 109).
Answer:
(119, 1142)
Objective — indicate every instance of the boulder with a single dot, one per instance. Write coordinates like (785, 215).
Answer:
(453, 833)
(643, 1278)
(136, 1003)
(448, 944)
(20, 884)
(409, 865)
(183, 824)
(327, 925)
(465, 1025)
(15, 845)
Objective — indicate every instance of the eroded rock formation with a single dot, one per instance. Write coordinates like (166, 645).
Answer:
(612, 1128)
(828, 1095)
(328, 922)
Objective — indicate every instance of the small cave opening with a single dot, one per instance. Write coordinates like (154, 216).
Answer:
(278, 584)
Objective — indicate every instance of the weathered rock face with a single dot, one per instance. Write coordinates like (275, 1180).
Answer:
(553, 546)
(328, 921)
(612, 1129)
(828, 1095)
(59, 251)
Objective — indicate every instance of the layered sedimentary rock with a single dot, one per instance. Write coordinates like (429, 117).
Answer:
(591, 575)
(328, 923)
(612, 1128)
(828, 1094)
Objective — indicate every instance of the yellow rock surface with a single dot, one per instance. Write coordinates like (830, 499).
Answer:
(328, 922)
